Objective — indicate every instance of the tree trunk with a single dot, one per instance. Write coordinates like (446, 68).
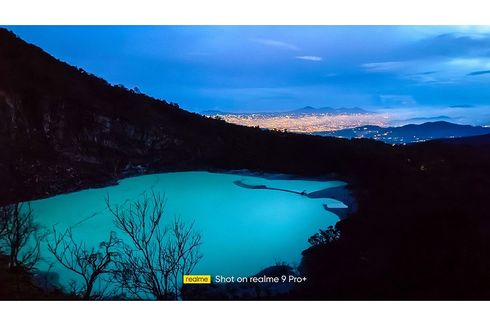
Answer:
(88, 291)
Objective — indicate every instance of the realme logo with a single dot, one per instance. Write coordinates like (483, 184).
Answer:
(197, 279)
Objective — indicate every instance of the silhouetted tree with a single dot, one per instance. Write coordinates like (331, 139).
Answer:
(182, 251)
(89, 263)
(20, 235)
(153, 262)
(325, 236)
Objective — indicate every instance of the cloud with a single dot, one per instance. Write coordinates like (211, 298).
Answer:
(383, 66)
(309, 58)
(423, 77)
(454, 44)
(469, 62)
(396, 100)
(432, 71)
(277, 44)
(480, 72)
(426, 73)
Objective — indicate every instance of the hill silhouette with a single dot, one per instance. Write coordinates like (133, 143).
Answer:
(64, 129)
(411, 132)
(421, 231)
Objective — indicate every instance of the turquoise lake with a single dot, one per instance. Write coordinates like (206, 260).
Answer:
(243, 230)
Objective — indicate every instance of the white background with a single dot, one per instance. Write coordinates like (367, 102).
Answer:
(239, 12)
(236, 12)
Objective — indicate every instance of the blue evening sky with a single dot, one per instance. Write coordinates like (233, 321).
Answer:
(270, 68)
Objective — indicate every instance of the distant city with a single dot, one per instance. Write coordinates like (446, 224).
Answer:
(304, 120)
(353, 123)
(411, 133)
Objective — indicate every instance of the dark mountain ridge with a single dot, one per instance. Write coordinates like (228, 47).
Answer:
(411, 132)
(329, 110)
(63, 129)
(420, 120)
(481, 140)
(421, 230)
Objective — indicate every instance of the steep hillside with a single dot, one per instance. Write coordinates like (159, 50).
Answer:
(63, 129)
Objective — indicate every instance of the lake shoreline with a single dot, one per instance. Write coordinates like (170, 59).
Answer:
(261, 226)
(340, 193)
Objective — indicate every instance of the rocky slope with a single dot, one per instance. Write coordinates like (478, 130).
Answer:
(63, 129)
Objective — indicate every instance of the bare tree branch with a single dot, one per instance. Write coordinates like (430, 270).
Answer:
(153, 262)
(89, 263)
(20, 236)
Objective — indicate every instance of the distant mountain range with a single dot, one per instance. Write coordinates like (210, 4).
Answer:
(307, 110)
(410, 133)
(420, 120)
